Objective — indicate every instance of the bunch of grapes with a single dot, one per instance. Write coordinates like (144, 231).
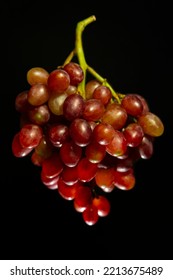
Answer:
(85, 137)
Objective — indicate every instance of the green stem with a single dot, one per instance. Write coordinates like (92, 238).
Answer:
(69, 57)
(79, 50)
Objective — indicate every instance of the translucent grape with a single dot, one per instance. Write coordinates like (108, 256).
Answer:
(37, 75)
(38, 94)
(151, 124)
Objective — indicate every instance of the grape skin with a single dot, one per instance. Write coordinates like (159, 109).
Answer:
(151, 124)
(37, 75)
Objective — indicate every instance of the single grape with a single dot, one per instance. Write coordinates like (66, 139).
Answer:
(104, 177)
(133, 134)
(124, 180)
(102, 93)
(83, 198)
(21, 102)
(102, 204)
(115, 115)
(39, 115)
(86, 170)
(144, 103)
(69, 175)
(70, 153)
(95, 152)
(52, 166)
(80, 132)
(58, 81)
(75, 72)
(103, 133)
(58, 134)
(37, 75)
(93, 110)
(151, 124)
(30, 135)
(90, 215)
(66, 191)
(73, 106)
(146, 147)
(132, 104)
(17, 149)
(38, 94)
(118, 145)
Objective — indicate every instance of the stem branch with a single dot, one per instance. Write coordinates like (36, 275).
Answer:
(79, 52)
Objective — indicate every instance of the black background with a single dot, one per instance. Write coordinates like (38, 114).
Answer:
(129, 44)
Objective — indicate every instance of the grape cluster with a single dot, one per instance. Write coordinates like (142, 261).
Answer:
(85, 147)
(85, 137)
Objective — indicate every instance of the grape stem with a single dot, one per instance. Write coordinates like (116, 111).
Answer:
(79, 52)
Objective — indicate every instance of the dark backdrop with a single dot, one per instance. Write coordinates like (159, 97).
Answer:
(129, 45)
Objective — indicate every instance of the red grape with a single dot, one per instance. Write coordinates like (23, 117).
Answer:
(90, 215)
(73, 106)
(102, 204)
(83, 198)
(75, 72)
(133, 134)
(90, 86)
(58, 81)
(103, 93)
(39, 115)
(103, 133)
(58, 134)
(146, 147)
(93, 110)
(80, 132)
(30, 135)
(52, 166)
(21, 102)
(118, 144)
(132, 104)
(86, 170)
(124, 180)
(17, 149)
(115, 115)
(69, 175)
(38, 94)
(66, 191)
(104, 177)
(95, 152)
(70, 153)
(37, 75)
